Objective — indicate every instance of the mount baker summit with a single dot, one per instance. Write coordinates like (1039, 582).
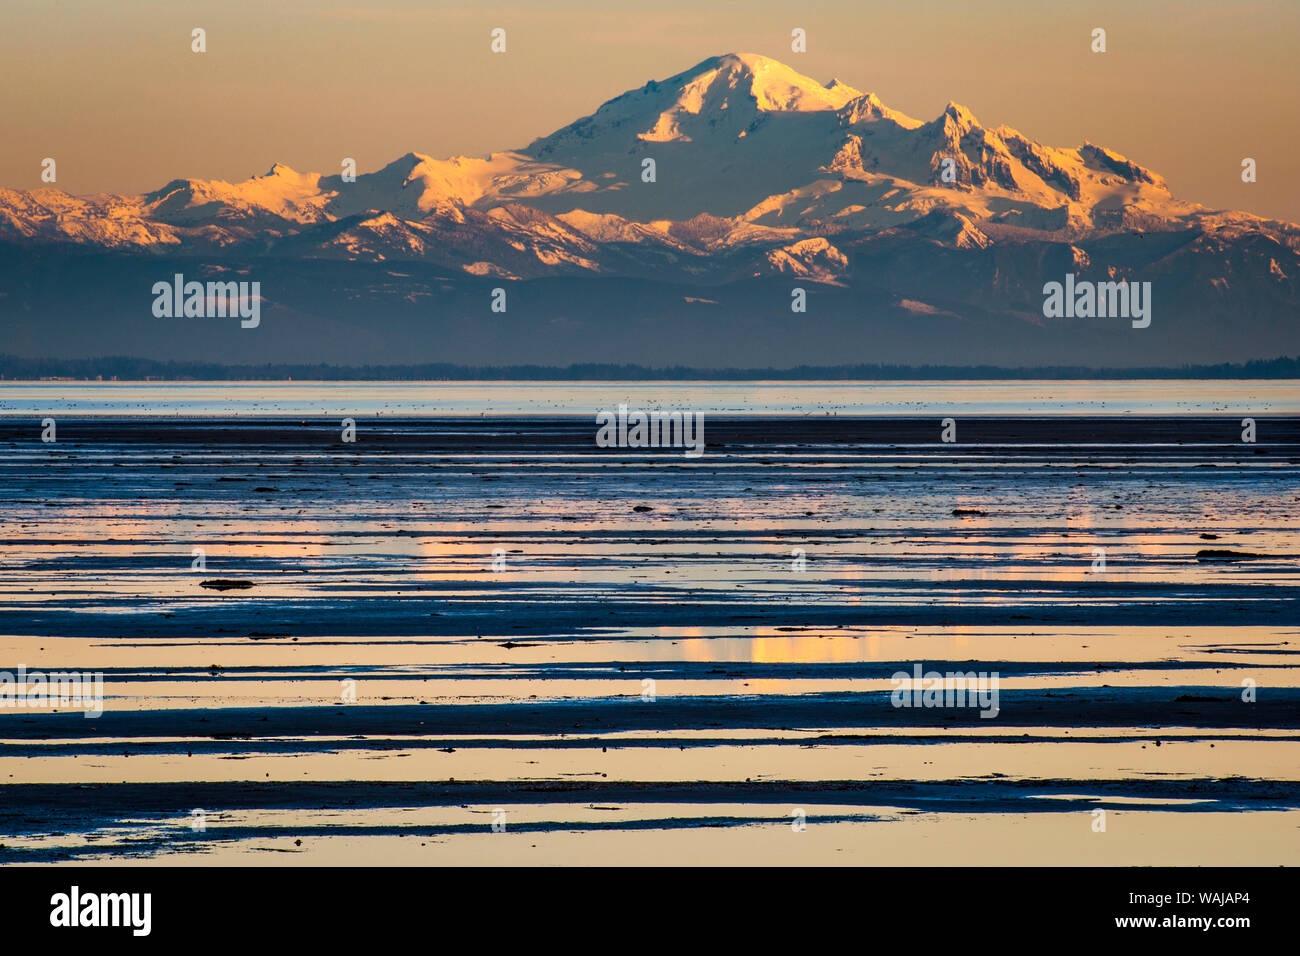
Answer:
(915, 242)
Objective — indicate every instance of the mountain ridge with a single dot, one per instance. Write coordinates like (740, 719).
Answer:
(759, 173)
(997, 175)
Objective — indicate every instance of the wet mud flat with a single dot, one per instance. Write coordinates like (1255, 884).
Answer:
(489, 640)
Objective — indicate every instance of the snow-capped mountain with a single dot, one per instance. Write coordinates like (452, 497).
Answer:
(737, 170)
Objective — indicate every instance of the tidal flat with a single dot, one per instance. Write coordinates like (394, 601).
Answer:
(476, 640)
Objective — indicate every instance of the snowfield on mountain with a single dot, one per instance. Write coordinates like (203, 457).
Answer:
(759, 173)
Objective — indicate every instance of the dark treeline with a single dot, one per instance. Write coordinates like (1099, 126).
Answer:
(136, 369)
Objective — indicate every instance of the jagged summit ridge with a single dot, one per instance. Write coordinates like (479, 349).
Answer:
(732, 90)
(683, 210)
(767, 156)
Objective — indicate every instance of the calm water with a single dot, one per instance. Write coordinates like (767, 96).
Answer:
(1153, 397)
(500, 598)
(640, 657)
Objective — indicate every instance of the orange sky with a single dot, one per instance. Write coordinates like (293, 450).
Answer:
(114, 94)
